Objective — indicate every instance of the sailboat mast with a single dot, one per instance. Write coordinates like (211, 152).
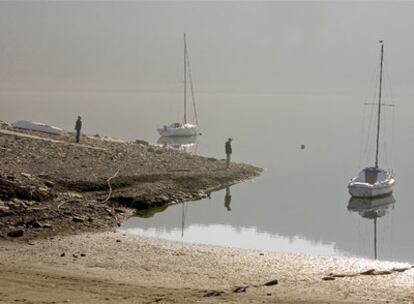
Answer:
(185, 80)
(379, 105)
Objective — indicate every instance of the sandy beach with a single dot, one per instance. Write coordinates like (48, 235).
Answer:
(110, 267)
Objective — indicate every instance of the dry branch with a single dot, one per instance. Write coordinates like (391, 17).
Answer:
(110, 187)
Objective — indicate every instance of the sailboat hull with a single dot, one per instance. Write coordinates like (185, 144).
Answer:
(366, 190)
(178, 130)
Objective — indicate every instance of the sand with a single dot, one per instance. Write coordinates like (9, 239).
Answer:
(110, 267)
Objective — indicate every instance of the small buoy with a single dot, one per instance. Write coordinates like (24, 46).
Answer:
(302, 146)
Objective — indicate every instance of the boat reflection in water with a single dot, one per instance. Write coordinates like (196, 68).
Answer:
(372, 208)
(184, 143)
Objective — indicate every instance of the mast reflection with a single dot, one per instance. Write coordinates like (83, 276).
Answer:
(372, 209)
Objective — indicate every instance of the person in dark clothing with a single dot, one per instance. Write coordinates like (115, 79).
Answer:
(78, 127)
(227, 199)
(228, 152)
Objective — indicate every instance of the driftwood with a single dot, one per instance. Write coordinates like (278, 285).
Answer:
(369, 272)
(110, 187)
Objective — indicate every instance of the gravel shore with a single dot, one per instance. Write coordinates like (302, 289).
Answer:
(50, 185)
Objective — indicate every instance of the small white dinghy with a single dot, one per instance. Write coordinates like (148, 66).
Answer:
(373, 181)
(36, 126)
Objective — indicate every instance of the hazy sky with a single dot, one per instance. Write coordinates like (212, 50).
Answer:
(235, 46)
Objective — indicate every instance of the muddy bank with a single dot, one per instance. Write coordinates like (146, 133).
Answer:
(113, 268)
(50, 185)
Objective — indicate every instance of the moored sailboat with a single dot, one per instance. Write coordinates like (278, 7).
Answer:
(185, 128)
(374, 181)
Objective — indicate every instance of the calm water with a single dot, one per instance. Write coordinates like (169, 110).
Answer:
(299, 204)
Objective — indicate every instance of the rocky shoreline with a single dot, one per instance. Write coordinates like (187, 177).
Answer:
(50, 185)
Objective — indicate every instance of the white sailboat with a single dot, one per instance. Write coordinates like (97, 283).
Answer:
(184, 128)
(374, 181)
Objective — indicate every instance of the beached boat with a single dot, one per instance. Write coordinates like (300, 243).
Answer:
(178, 129)
(374, 181)
(36, 126)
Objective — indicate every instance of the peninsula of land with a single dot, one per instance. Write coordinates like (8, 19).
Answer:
(50, 185)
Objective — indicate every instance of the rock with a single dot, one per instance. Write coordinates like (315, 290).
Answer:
(213, 293)
(400, 269)
(4, 210)
(27, 175)
(240, 289)
(118, 210)
(75, 255)
(73, 195)
(78, 219)
(271, 283)
(163, 198)
(141, 142)
(43, 189)
(150, 149)
(46, 225)
(49, 184)
(368, 272)
(83, 255)
(118, 241)
(36, 224)
(195, 196)
(328, 278)
(16, 201)
(62, 254)
(382, 272)
(15, 233)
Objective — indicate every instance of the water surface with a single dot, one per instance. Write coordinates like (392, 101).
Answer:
(299, 204)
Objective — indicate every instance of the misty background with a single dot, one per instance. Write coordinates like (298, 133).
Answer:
(108, 58)
(270, 74)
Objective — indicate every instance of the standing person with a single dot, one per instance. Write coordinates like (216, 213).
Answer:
(228, 152)
(78, 127)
